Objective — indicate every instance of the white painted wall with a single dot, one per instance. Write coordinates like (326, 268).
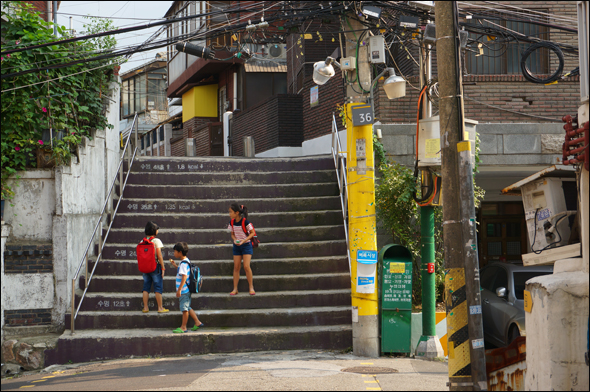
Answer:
(322, 145)
(30, 214)
(62, 206)
(281, 152)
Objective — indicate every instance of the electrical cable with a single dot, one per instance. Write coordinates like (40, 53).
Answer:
(527, 72)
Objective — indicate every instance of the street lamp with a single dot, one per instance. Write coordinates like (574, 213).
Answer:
(195, 50)
(323, 70)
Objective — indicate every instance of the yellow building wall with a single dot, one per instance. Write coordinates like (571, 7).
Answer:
(200, 101)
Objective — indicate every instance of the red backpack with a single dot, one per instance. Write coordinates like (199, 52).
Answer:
(146, 256)
(254, 240)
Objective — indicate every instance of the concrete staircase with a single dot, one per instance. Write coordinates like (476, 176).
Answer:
(300, 270)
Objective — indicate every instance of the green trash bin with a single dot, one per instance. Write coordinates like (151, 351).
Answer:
(396, 299)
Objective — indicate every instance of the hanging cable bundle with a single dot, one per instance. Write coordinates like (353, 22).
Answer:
(527, 72)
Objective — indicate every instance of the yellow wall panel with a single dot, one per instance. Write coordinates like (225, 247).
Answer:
(200, 101)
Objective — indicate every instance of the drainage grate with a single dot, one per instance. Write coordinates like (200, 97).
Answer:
(369, 370)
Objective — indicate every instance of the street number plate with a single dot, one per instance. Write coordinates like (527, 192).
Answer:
(362, 115)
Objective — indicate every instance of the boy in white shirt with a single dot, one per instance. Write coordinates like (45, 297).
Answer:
(182, 292)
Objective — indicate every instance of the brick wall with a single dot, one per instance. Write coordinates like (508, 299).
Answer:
(27, 259)
(317, 120)
(177, 148)
(514, 99)
(276, 122)
(41, 6)
(203, 140)
(28, 317)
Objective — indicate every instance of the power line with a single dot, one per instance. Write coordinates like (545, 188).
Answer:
(120, 31)
(60, 77)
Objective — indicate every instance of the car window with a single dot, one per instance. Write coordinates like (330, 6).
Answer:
(520, 279)
(487, 277)
(501, 280)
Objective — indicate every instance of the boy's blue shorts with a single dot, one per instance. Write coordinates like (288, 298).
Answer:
(155, 278)
(185, 302)
(245, 249)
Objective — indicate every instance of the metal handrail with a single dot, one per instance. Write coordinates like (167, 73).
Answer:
(101, 241)
(340, 164)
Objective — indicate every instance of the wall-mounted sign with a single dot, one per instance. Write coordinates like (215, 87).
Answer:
(362, 115)
(366, 256)
(314, 96)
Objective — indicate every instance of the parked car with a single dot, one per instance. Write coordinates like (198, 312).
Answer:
(502, 298)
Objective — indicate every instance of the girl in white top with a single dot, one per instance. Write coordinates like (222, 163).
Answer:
(242, 248)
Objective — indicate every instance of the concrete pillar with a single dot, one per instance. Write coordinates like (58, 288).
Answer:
(5, 233)
(557, 332)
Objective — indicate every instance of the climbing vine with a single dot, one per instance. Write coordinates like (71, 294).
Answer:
(71, 101)
(399, 214)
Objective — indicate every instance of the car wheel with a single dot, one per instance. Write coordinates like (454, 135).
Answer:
(514, 333)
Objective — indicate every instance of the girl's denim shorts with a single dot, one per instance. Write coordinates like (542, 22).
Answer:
(155, 278)
(245, 249)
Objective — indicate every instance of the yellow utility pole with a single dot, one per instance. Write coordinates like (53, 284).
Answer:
(363, 235)
(362, 224)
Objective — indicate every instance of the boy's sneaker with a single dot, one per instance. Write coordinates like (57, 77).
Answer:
(197, 327)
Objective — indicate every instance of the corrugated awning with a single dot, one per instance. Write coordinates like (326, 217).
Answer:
(265, 66)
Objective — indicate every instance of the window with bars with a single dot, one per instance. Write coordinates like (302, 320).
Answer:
(504, 58)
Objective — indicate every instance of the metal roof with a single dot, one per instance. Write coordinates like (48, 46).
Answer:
(551, 171)
(265, 66)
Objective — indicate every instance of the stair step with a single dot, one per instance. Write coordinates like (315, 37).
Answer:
(214, 301)
(233, 178)
(224, 251)
(301, 265)
(309, 316)
(291, 204)
(233, 164)
(179, 220)
(101, 344)
(271, 191)
(220, 236)
(224, 284)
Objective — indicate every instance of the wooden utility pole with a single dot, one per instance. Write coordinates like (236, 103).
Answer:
(462, 287)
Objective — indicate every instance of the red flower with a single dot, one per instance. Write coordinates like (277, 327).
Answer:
(17, 148)
(40, 141)
(44, 110)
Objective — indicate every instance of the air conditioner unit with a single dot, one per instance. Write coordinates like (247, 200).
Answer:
(268, 51)
(277, 51)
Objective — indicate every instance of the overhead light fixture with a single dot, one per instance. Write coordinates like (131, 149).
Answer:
(195, 50)
(323, 70)
(394, 86)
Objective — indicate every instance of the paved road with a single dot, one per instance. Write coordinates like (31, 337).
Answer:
(289, 370)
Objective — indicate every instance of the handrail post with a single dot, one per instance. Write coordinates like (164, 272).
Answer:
(135, 131)
(73, 315)
(86, 272)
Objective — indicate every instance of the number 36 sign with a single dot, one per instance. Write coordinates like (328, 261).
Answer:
(362, 115)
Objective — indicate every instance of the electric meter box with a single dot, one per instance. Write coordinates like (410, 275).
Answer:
(348, 63)
(542, 200)
(377, 49)
(429, 141)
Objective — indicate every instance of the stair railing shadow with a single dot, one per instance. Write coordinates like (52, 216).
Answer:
(339, 157)
(131, 131)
